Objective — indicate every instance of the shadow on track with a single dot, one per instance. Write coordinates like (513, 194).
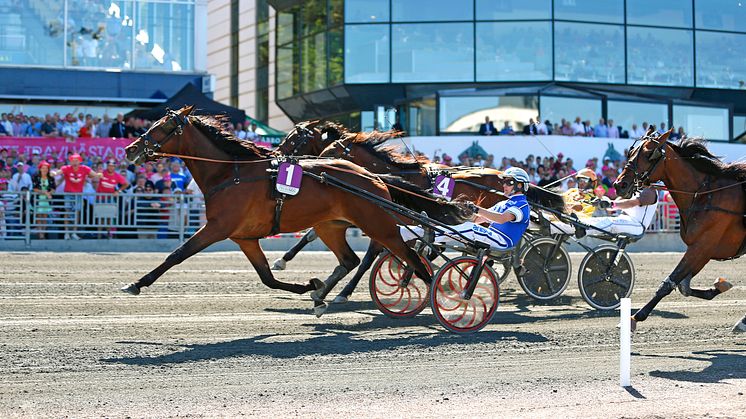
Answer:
(724, 365)
(329, 339)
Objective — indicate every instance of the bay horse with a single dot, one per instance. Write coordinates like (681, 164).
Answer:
(712, 205)
(234, 176)
(371, 151)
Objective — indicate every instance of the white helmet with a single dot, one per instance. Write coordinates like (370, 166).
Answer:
(518, 174)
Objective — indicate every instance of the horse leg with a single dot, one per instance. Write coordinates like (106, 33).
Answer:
(203, 238)
(390, 239)
(254, 253)
(720, 286)
(374, 249)
(693, 261)
(307, 238)
(740, 327)
(333, 235)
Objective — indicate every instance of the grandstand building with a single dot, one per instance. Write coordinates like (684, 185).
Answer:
(99, 55)
(444, 65)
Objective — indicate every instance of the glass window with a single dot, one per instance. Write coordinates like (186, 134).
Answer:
(287, 25)
(433, 52)
(698, 121)
(421, 117)
(514, 9)
(514, 51)
(725, 15)
(587, 52)
(102, 37)
(466, 114)
(431, 10)
(366, 11)
(660, 56)
(675, 13)
(366, 53)
(314, 17)
(288, 80)
(164, 36)
(313, 62)
(336, 56)
(555, 109)
(739, 125)
(607, 11)
(625, 113)
(32, 35)
(720, 60)
(336, 12)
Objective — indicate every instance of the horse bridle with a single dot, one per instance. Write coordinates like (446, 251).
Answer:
(304, 135)
(656, 157)
(151, 147)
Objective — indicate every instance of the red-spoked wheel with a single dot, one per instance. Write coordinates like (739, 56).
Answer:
(388, 293)
(452, 310)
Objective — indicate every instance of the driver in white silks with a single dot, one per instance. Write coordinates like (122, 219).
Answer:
(508, 219)
(636, 214)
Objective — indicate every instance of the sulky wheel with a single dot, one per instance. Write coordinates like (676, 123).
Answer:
(449, 306)
(502, 267)
(604, 281)
(546, 269)
(387, 292)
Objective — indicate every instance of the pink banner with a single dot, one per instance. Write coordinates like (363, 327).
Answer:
(58, 147)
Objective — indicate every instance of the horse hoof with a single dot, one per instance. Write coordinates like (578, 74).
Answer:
(722, 285)
(279, 265)
(740, 327)
(632, 325)
(320, 309)
(131, 289)
(340, 299)
(318, 293)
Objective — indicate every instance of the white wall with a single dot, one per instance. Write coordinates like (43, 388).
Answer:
(580, 149)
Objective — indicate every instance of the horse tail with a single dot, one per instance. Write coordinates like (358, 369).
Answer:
(415, 198)
(545, 197)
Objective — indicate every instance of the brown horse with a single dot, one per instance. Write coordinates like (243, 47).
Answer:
(234, 176)
(370, 150)
(711, 201)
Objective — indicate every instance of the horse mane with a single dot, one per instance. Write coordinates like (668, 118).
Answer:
(218, 129)
(694, 149)
(335, 129)
(373, 142)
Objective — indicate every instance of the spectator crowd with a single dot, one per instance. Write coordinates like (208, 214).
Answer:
(579, 128)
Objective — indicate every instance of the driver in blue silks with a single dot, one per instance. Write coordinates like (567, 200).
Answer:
(508, 219)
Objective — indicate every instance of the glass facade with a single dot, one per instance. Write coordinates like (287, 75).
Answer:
(663, 57)
(666, 43)
(432, 52)
(699, 121)
(514, 51)
(105, 34)
(626, 113)
(367, 53)
(555, 109)
(466, 114)
(588, 52)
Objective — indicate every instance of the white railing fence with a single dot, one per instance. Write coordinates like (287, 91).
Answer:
(32, 216)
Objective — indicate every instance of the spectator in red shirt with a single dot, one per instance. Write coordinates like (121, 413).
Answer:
(111, 181)
(75, 175)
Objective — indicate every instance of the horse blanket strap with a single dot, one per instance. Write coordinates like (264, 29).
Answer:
(278, 213)
(233, 182)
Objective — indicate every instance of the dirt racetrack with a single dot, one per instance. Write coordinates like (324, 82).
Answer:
(208, 339)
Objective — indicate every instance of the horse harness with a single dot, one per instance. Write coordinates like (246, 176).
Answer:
(273, 193)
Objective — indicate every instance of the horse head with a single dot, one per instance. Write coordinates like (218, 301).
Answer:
(300, 141)
(160, 133)
(643, 164)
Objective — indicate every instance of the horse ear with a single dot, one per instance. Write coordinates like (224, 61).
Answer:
(186, 110)
(650, 131)
(664, 137)
(309, 124)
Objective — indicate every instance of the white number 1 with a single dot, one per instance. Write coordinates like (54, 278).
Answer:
(444, 185)
(289, 178)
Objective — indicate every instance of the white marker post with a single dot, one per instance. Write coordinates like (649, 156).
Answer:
(625, 342)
